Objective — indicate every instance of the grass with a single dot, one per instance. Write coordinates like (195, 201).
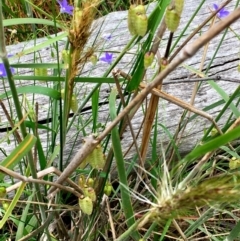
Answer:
(92, 189)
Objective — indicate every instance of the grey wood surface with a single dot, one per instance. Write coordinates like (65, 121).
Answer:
(224, 64)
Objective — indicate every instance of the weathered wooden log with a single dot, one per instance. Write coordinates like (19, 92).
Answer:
(115, 24)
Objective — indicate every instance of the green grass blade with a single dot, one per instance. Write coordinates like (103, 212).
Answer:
(117, 149)
(20, 21)
(34, 90)
(12, 204)
(18, 153)
(213, 144)
(21, 225)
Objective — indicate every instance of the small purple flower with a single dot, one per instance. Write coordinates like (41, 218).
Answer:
(222, 13)
(3, 72)
(64, 7)
(108, 58)
(107, 37)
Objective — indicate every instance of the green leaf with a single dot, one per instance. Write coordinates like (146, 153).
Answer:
(34, 89)
(20, 21)
(213, 144)
(18, 153)
(117, 149)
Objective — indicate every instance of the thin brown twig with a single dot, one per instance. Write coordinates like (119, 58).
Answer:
(39, 175)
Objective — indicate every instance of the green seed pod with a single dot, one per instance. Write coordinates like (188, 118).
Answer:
(148, 59)
(214, 132)
(3, 192)
(141, 24)
(172, 19)
(81, 181)
(179, 6)
(74, 104)
(5, 205)
(108, 189)
(97, 158)
(91, 193)
(131, 19)
(86, 205)
(238, 67)
(234, 163)
(90, 182)
(139, 10)
(163, 64)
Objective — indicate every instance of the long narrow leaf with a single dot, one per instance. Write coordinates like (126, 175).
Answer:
(117, 149)
(20, 151)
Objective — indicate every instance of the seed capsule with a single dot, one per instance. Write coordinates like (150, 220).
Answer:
(179, 6)
(141, 24)
(148, 59)
(5, 205)
(172, 19)
(97, 158)
(91, 193)
(234, 163)
(214, 132)
(86, 205)
(163, 64)
(139, 10)
(3, 192)
(108, 189)
(131, 19)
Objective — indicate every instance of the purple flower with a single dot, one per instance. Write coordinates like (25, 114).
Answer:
(222, 13)
(107, 37)
(65, 8)
(3, 72)
(108, 58)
